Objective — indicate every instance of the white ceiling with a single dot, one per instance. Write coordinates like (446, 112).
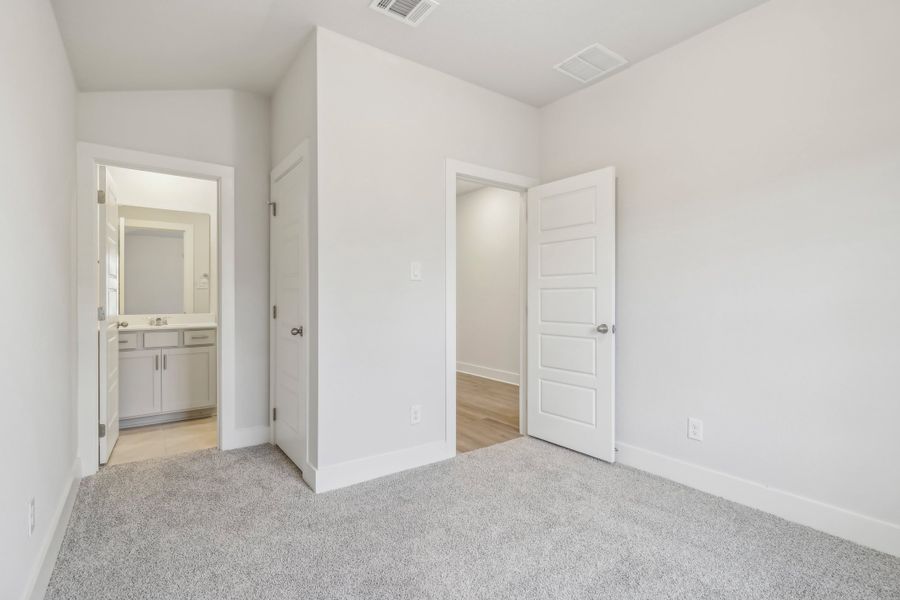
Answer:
(509, 46)
(464, 186)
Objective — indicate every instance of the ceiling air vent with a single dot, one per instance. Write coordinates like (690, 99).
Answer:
(411, 12)
(591, 63)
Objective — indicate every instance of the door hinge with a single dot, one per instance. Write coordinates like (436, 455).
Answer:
(274, 414)
(274, 206)
(101, 430)
(101, 313)
(101, 197)
(274, 311)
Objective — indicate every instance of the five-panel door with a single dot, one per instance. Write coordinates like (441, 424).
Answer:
(571, 310)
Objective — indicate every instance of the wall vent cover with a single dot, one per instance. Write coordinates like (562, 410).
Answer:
(411, 12)
(591, 63)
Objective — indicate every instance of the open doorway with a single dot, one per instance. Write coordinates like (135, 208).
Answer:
(155, 312)
(567, 305)
(157, 245)
(486, 297)
(489, 292)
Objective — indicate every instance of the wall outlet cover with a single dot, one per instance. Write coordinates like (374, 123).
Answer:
(415, 414)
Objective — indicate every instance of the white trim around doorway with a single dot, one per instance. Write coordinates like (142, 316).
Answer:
(494, 178)
(89, 156)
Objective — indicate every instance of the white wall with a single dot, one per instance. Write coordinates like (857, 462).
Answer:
(295, 119)
(164, 191)
(218, 126)
(294, 102)
(385, 129)
(37, 168)
(488, 294)
(758, 246)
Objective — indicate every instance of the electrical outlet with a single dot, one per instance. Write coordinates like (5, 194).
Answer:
(31, 517)
(415, 414)
(695, 429)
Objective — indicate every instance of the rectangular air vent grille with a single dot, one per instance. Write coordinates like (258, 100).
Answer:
(411, 12)
(591, 63)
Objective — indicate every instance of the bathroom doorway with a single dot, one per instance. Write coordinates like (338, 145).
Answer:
(158, 238)
(155, 319)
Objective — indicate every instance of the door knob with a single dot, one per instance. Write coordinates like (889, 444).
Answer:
(121, 324)
(297, 331)
(602, 328)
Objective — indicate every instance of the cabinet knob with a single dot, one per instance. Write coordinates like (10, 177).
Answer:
(297, 331)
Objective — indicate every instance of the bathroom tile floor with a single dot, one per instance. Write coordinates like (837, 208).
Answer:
(154, 441)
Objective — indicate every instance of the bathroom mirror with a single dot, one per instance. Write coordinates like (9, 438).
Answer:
(164, 260)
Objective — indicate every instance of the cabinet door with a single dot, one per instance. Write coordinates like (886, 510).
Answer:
(139, 383)
(188, 378)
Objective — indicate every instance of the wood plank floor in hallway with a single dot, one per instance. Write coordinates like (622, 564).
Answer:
(487, 412)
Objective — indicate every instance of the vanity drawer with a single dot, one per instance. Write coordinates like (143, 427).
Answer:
(199, 337)
(128, 341)
(161, 339)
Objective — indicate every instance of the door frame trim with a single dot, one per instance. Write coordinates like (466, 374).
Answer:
(494, 178)
(85, 354)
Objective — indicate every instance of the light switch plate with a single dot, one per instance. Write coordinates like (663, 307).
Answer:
(695, 429)
(415, 271)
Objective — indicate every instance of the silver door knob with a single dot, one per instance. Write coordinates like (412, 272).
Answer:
(297, 331)
(604, 328)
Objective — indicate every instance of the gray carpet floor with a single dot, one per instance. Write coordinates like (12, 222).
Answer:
(523, 519)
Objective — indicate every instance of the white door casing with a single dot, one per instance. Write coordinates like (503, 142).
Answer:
(89, 157)
(290, 298)
(108, 312)
(571, 311)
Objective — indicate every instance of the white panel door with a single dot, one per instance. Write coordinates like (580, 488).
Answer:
(108, 312)
(571, 308)
(290, 299)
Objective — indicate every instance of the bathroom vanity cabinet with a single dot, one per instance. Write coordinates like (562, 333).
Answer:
(166, 375)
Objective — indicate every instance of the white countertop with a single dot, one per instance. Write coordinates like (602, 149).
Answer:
(169, 327)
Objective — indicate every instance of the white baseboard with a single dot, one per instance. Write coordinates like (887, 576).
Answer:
(183, 415)
(488, 373)
(310, 475)
(863, 530)
(332, 477)
(247, 436)
(43, 568)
